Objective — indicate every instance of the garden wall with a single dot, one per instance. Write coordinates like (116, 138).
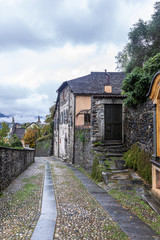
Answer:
(139, 126)
(83, 149)
(12, 163)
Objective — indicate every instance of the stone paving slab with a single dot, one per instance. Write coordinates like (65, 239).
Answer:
(46, 224)
(129, 223)
(79, 215)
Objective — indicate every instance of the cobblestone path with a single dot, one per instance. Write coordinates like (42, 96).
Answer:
(20, 204)
(80, 216)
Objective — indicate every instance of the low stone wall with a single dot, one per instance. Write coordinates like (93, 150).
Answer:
(44, 148)
(139, 126)
(12, 163)
(83, 149)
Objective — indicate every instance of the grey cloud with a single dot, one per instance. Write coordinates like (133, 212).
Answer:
(12, 93)
(16, 34)
(43, 24)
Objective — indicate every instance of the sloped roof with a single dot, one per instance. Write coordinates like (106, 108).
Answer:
(94, 83)
(19, 132)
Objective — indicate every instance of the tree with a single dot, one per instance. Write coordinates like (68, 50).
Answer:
(15, 141)
(144, 39)
(31, 136)
(136, 84)
(49, 117)
(4, 130)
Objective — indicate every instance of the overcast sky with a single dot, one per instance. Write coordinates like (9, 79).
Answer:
(46, 42)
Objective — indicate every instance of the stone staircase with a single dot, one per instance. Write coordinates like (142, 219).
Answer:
(110, 156)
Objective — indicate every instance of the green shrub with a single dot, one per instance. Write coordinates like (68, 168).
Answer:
(16, 143)
(97, 143)
(96, 170)
(139, 160)
(82, 137)
(44, 138)
(3, 144)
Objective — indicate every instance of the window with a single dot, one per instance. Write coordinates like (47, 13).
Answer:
(66, 117)
(55, 123)
(63, 94)
(71, 121)
(86, 119)
(61, 117)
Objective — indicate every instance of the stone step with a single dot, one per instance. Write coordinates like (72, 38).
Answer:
(111, 151)
(116, 175)
(114, 155)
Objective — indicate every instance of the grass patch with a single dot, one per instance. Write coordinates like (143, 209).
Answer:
(2, 195)
(138, 207)
(96, 170)
(110, 228)
(25, 192)
(139, 160)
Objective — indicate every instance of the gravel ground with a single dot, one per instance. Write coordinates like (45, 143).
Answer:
(80, 216)
(20, 203)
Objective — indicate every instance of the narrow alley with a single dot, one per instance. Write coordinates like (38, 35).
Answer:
(83, 209)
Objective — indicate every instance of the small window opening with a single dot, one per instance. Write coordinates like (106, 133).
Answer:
(86, 119)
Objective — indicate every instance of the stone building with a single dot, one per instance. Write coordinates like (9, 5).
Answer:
(91, 102)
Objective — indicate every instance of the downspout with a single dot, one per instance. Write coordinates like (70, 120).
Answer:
(74, 111)
(155, 132)
(58, 123)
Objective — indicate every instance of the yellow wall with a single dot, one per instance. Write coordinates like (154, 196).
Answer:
(82, 103)
(155, 190)
(158, 126)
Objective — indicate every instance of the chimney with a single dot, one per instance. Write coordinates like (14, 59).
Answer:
(107, 87)
(12, 119)
(39, 119)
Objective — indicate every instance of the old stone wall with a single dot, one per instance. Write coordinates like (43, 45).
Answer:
(139, 126)
(83, 149)
(12, 163)
(97, 116)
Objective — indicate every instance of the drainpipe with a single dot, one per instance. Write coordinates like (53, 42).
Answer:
(58, 124)
(155, 132)
(74, 111)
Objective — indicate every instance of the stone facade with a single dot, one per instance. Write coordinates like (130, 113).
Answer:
(139, 126)
(97, 116)
(12, 163)
(83, 148)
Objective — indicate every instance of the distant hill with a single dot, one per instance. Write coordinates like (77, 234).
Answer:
(2, 115)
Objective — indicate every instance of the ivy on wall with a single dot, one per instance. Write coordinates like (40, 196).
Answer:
(136, 84)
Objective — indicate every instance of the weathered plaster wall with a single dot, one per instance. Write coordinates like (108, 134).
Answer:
(82, 103)
(12, 163)
(83, 149)
(64, 126)
(139, 126)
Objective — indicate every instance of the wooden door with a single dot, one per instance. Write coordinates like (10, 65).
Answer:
(113, 122)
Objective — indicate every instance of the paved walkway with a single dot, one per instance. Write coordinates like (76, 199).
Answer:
(129, 223)
(46, 224)
(79, 215)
